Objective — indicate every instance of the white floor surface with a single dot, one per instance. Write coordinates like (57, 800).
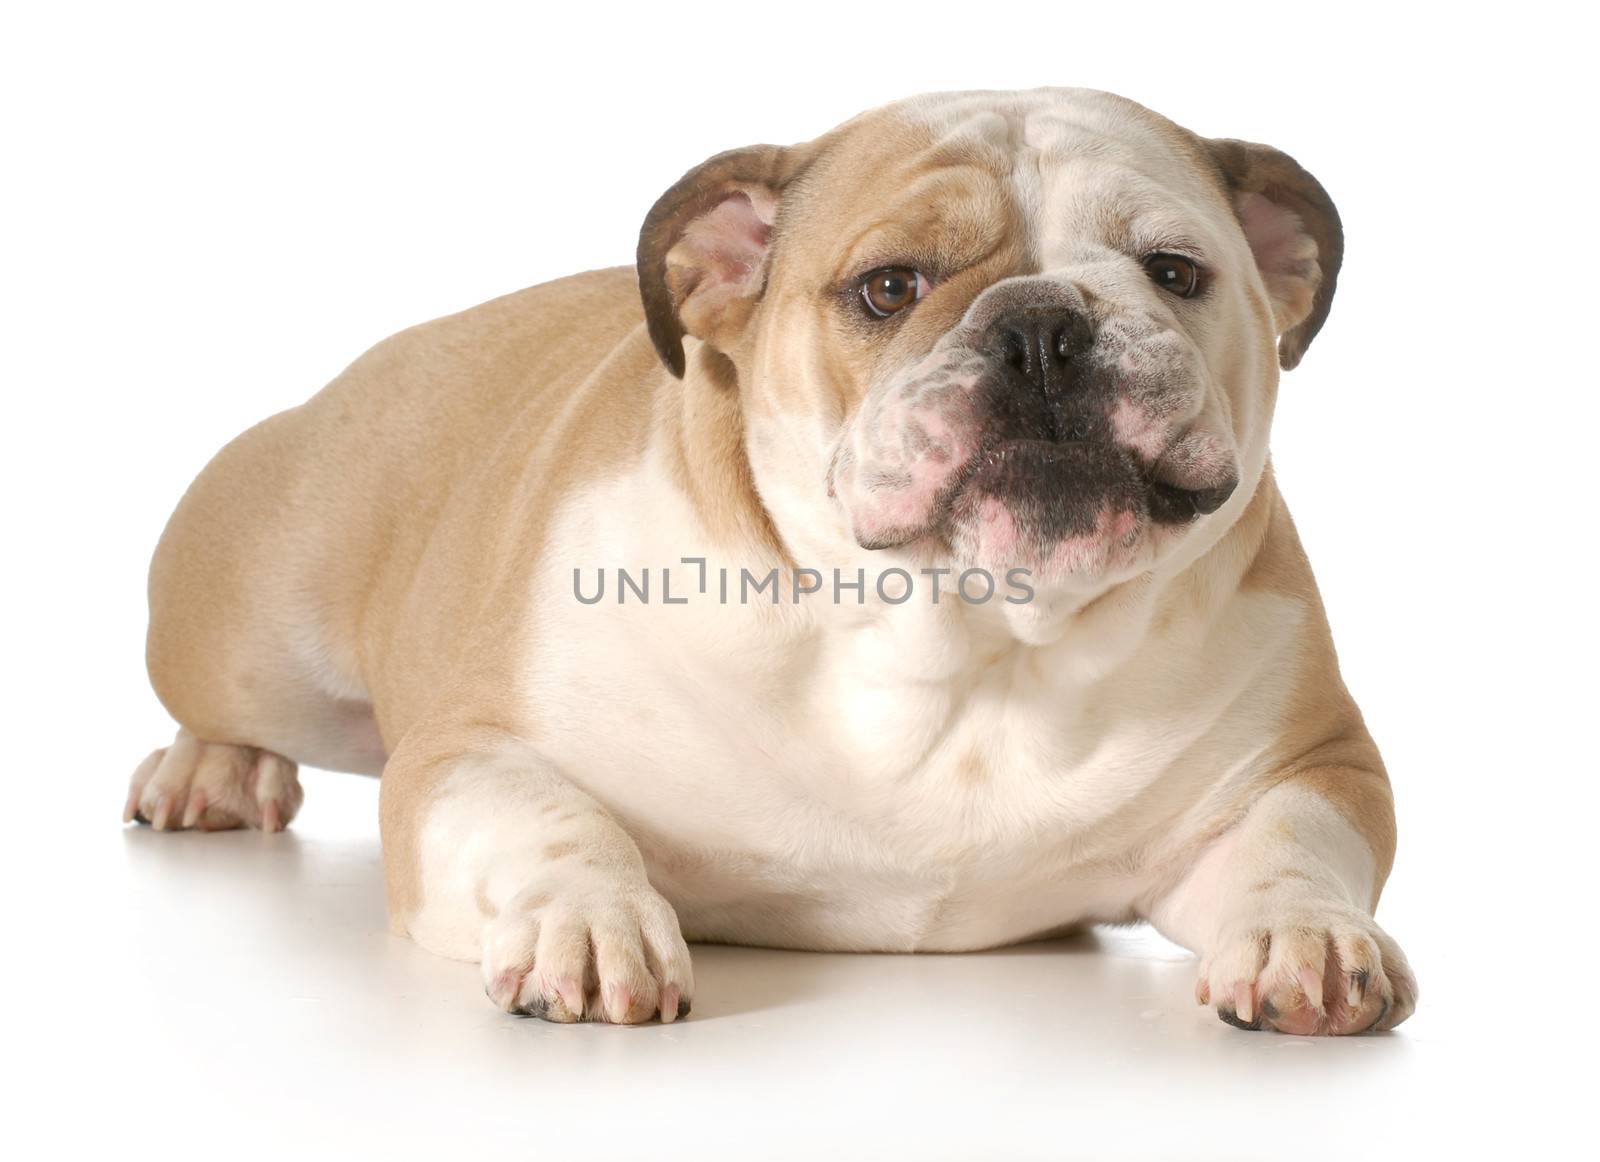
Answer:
(239, 995)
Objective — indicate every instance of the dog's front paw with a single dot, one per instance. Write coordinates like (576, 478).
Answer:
(1307, 968)
(606, 953)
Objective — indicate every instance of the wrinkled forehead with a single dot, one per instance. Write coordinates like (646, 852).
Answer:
(1044, 172)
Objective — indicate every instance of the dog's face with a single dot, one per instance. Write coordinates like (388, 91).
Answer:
(1014, 330)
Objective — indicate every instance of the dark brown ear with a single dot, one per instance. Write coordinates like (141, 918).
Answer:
(704, 247)
(1294, 233)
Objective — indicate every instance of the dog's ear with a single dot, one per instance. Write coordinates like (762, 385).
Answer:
(704, 247)
(1294, 233)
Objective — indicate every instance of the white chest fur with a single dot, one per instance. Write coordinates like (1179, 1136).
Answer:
(877, 776)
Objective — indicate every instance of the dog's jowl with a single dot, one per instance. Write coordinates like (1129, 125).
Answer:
(947, 597)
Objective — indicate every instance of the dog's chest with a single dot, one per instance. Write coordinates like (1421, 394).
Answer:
(891, 783)
(845, 795)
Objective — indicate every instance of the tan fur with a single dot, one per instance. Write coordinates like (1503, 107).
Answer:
(388, 493)
(1325, 745)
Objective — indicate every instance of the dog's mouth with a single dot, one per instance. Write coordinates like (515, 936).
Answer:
(1067, 474)
(1174, 504)
(1025, 501)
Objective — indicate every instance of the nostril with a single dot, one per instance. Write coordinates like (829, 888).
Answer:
(1014, 349)
(1042, 344)
(1061, 344)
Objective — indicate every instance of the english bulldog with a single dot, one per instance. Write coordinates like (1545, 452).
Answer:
(890, 561)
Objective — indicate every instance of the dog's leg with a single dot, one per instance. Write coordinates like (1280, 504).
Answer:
(1279, 908)
(214, 786)
(490, 854)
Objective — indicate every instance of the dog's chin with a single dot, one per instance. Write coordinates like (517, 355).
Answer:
(1056, 509)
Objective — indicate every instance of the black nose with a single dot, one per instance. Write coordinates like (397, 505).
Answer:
(1041, 343)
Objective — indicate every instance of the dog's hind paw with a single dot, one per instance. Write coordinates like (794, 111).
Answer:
(213, 786)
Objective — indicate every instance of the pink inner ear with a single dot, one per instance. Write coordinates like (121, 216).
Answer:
(727, 245)
(1285, 254)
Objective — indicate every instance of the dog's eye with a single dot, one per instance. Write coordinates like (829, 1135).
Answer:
(891, 290)
(1173, 272)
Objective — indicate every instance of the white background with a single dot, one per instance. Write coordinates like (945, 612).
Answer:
(208, 211)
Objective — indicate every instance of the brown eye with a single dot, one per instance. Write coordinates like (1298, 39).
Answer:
(1173, 272)
(891, 290)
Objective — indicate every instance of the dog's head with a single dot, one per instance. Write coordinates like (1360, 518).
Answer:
(1034, 330)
